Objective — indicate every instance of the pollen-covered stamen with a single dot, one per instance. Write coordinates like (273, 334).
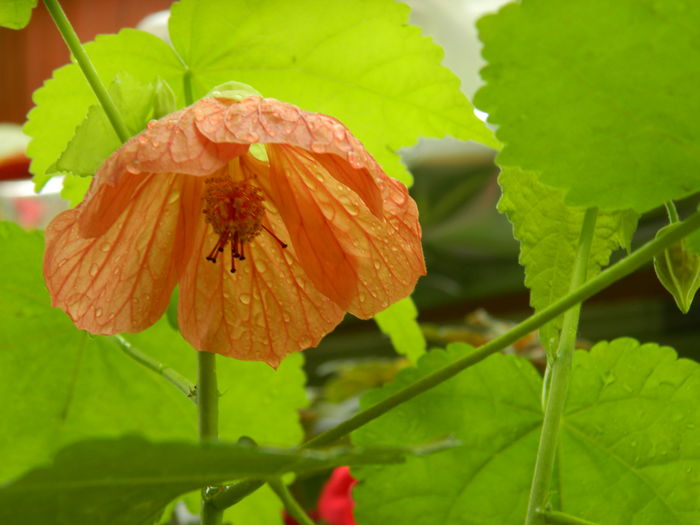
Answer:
(235, 211)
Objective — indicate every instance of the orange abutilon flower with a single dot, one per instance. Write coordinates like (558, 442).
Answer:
(270, 246)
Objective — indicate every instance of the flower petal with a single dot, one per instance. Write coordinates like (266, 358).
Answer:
(269, 121)
(361, 262)
(121, 281)
(263, 312)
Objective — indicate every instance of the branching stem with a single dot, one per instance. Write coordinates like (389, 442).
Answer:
(292, 505)
(622, 268)
(183, 384)
(208, 409)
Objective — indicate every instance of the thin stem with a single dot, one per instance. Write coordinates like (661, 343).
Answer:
(626, 266)
(208, 408)
(81, 57)
(292, 505)
(561, 518)
(561, 375)
(180, 382)
(672, 212)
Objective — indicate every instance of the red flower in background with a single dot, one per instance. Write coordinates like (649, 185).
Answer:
(335, 503)
(298, 238)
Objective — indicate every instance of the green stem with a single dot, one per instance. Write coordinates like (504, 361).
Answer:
(560, 518)
(561, 367)
(81, 57)
(183, 384)
(292, 505)
(208, 409)
(622, 268)
(672, 212)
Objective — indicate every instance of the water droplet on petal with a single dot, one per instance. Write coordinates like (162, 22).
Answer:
(143, 139)
(62, 262)
(105, 247)
(245, 298)
(152, 123)
(318, 147)
(251, 137)
(94, 269)
(98, 312)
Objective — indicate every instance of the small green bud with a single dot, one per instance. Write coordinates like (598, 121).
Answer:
(234, 90)
(679, 271)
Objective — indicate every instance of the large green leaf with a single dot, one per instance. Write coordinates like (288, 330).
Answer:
(129, 481)
(400, 324)
(59, 385)
(630, 441)
(600, 97)
(15, 14)
(357, 60)
(549, 231)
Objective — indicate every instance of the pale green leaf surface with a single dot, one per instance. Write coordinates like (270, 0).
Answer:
(129, 481)
(62, 102)
(630, 441)
(400, 324)
(15, 14)
(94, 138)
(549, 231)
(599, 97)
(356, 60)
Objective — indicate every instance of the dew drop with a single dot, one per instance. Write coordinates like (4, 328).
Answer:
(304, 342)
(170, 124)
(143, 139)
(152, 124)
(98, 312)
(244, 298)
(105, 247)
(251, 137)
(94, 269)
(339, 132)
(352, 209)
(62, 262)
(318, 147)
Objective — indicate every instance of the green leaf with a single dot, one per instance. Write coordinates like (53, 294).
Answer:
(678, 269)
(129, 481)
(15, 14)
(549, 231)
(63, 101)
(628, 454)
(333, 57)
(400, 324)
(95, 139)
(599, 97)
(74, 188)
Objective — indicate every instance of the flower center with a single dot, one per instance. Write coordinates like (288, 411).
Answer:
(235, 211)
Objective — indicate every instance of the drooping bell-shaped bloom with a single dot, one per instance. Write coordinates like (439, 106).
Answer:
(270, 245)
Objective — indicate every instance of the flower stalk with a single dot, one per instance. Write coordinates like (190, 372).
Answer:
(561, 366)
(78, 51)
(208, 409)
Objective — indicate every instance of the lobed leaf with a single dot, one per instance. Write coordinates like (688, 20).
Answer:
(549, 231)
(628, 453)
(599, 97)
(333, 58)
